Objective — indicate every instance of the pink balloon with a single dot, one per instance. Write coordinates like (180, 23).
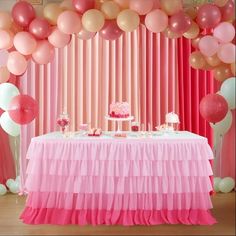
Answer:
(25, 43)
(180, 22)
(213, 108)
(226, 53)
(140, 6)
(224, 32)
(44, 52)
(208, 16)
(82, 6)
(23, 13)
(6, 39)
(156, 21)
(59, 39)
(23, 109)
(40, 28)
(69, 22)
(85, 35)
(208, 45)
(227, 10)
(110, 30)
(16, 63)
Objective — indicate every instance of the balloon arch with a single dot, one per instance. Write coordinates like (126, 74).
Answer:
(210, 25)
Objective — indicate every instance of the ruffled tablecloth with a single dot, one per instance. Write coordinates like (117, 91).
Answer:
(128, 181)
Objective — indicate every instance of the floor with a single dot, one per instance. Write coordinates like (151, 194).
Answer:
(11, 206)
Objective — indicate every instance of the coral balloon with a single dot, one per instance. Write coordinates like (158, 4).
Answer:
(82, 6)
(171, 7)
(156, 21)
(8, 125)
(180, 22)
(44, 52)
(69, 22)
(227, 11)
(208, 16)
(51, 12)
(197, 60)
(213, 60)
(170, 34)
(208, 45)
(193, 31)
(24, 43)
(93, 20)
(213, 108)
(40, 28)
(222, 72)
(122, 3)
(140, 6)
(6, 39)
(226, 53)
(5, 20)
(110, 30)
(110, 9)
(85, 35)
(224, 32)
(227, 90)
(4, 74)
(128, 20)
(59, 39)
(16, 63)
(23, 109)
(23, 13)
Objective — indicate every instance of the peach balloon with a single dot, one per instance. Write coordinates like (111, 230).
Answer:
(44, 52)
(222, 72)
(226, 53)
(69, 22)
(220, 3)
(4, 74)
(25, 43)
(67, 5)
(93, 20)
(193, 32)
(197, 60)
(122, 3)
(191, 12)
(5, 20)
(213, 60)
(51, 12)
(128, 20)
(85, 35)
(140, 6)
(110, 9)
(6, 39)
(171, 7)
(170, 34)
(195, 41)
(16, 63)
(156, 21)
(58, 39)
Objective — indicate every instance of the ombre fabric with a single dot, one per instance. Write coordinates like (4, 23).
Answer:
(146, 181)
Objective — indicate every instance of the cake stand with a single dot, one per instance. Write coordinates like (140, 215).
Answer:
(119, 121)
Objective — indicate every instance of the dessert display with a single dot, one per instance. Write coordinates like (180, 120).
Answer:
(172, 118)
(135, 126)
(119, 110)
(63, 121)
(83, 127)
(95, 132)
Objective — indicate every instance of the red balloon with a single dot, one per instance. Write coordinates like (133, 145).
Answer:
(180, 22)
(213, 108)
(23, 13)
(110, 30)
(208, 16)
(23, 109)
(227, 11)
(82, 6)
(40, 28)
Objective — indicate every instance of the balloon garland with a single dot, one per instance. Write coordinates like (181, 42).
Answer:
(209, 24)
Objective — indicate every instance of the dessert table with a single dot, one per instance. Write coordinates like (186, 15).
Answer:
(137, 180)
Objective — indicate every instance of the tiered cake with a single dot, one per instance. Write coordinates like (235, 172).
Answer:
(119, 110)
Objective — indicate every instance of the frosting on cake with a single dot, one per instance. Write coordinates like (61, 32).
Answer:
(172, 118)
(119, 109)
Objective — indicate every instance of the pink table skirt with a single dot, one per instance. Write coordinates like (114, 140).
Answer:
(108, 181)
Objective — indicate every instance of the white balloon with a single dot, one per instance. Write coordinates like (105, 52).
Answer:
(7, 92)
(3, 190)
(9, 182)
(8, 125)
(227, 90)
(226, 185)
(14, 187)
(216, 182)
(224, 125)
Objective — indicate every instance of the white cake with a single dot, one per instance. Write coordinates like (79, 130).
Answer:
(119, 110)
(172, 118)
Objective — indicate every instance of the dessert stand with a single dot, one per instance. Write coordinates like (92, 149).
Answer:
(119, 121)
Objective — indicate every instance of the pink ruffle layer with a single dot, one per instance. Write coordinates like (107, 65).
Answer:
(113, 217)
